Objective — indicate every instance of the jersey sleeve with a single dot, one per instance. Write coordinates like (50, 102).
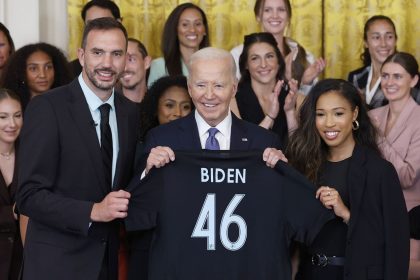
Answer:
(145, 201)
(303, 213)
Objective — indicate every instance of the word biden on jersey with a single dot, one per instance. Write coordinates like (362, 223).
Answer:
(219, 175)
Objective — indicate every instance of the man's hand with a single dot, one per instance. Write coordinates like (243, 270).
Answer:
(113, 206)
(271, 156)
(159, 157)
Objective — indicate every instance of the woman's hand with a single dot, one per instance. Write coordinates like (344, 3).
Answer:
(313, 71)
(274, 108)
(290, 101)
(331, 199)
(288, 60)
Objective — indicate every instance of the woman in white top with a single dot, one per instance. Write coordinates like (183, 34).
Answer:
(274, 16)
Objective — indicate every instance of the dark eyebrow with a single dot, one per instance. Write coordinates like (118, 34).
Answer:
(96, 50)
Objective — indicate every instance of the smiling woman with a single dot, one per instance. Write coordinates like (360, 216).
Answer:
(7, 47)
(34, 69)
(185, 32)
(399, 127)
(334, 146)
(10, 243)
(260, 99)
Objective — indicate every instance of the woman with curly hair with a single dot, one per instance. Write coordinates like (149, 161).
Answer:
(34, 69)
(185, 31)
(166, 100)
(335, 147)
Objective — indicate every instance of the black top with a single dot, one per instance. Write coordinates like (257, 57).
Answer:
(251, 111)
(331, 240)
(223, 215)
(10, 243)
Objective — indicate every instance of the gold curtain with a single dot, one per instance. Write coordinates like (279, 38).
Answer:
(332, 29)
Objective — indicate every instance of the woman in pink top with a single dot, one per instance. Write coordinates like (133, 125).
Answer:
(399, 126)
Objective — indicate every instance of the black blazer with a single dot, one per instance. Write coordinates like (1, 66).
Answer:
(60, 178)
(10, 242)
(378, 234)
(359, 79)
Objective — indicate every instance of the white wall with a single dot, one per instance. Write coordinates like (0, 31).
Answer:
(31, 21)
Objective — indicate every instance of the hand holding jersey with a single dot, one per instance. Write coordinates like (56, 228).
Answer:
(211, 84)
(160, 156)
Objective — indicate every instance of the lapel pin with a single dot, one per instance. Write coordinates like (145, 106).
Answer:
(244, 139)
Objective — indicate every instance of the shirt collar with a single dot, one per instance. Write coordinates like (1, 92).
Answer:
(224, 126)
(92, 99)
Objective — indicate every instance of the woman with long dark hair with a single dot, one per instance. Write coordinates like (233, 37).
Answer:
(262, 89)
(379, 41)
(335, 147)
(185, 31)
(7, 47)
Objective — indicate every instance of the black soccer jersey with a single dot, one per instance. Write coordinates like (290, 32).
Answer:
(224, 215)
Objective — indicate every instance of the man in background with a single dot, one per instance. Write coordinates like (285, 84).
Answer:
(134, 77)
(92, 10)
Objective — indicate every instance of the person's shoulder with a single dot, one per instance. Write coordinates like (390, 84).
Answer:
(159, 61)
(358, 72)
(237, 50)
(375, 162)
(254, 129)
(173, 126)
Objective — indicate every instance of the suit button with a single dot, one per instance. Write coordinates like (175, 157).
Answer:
(103, 241)
(10, 239)
(348, 241)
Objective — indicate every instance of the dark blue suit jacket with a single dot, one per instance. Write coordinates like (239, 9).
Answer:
(182, 134)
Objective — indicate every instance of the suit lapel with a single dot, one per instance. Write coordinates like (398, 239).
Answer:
(239, 139)
(4, 193)
(402, 120)
(188, 133)
(79, 110)
(356, 183)
(122, 124)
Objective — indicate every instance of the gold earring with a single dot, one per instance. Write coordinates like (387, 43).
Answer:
(355, 125)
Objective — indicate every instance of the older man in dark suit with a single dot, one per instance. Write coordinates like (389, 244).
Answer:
(77, 151)
(212, 84)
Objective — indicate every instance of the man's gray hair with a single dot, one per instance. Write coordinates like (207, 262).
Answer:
(212, 53)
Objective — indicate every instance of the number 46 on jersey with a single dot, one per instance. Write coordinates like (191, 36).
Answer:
(208, 215)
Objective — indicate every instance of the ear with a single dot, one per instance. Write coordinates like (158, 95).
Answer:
(414, 81)
(355, 113)
(365, 45)
(235, 87)
(81, 56)
(147, 62)
(189, 88)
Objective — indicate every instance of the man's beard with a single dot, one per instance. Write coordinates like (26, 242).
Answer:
(98, 84)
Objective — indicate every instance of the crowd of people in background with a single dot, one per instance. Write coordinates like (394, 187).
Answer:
(355, 140)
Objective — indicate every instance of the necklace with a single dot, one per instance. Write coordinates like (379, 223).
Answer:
(7, 155)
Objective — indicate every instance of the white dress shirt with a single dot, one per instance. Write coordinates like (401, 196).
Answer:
(223, 136)
(94, 102)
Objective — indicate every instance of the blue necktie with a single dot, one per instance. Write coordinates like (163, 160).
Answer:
(211, 142)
